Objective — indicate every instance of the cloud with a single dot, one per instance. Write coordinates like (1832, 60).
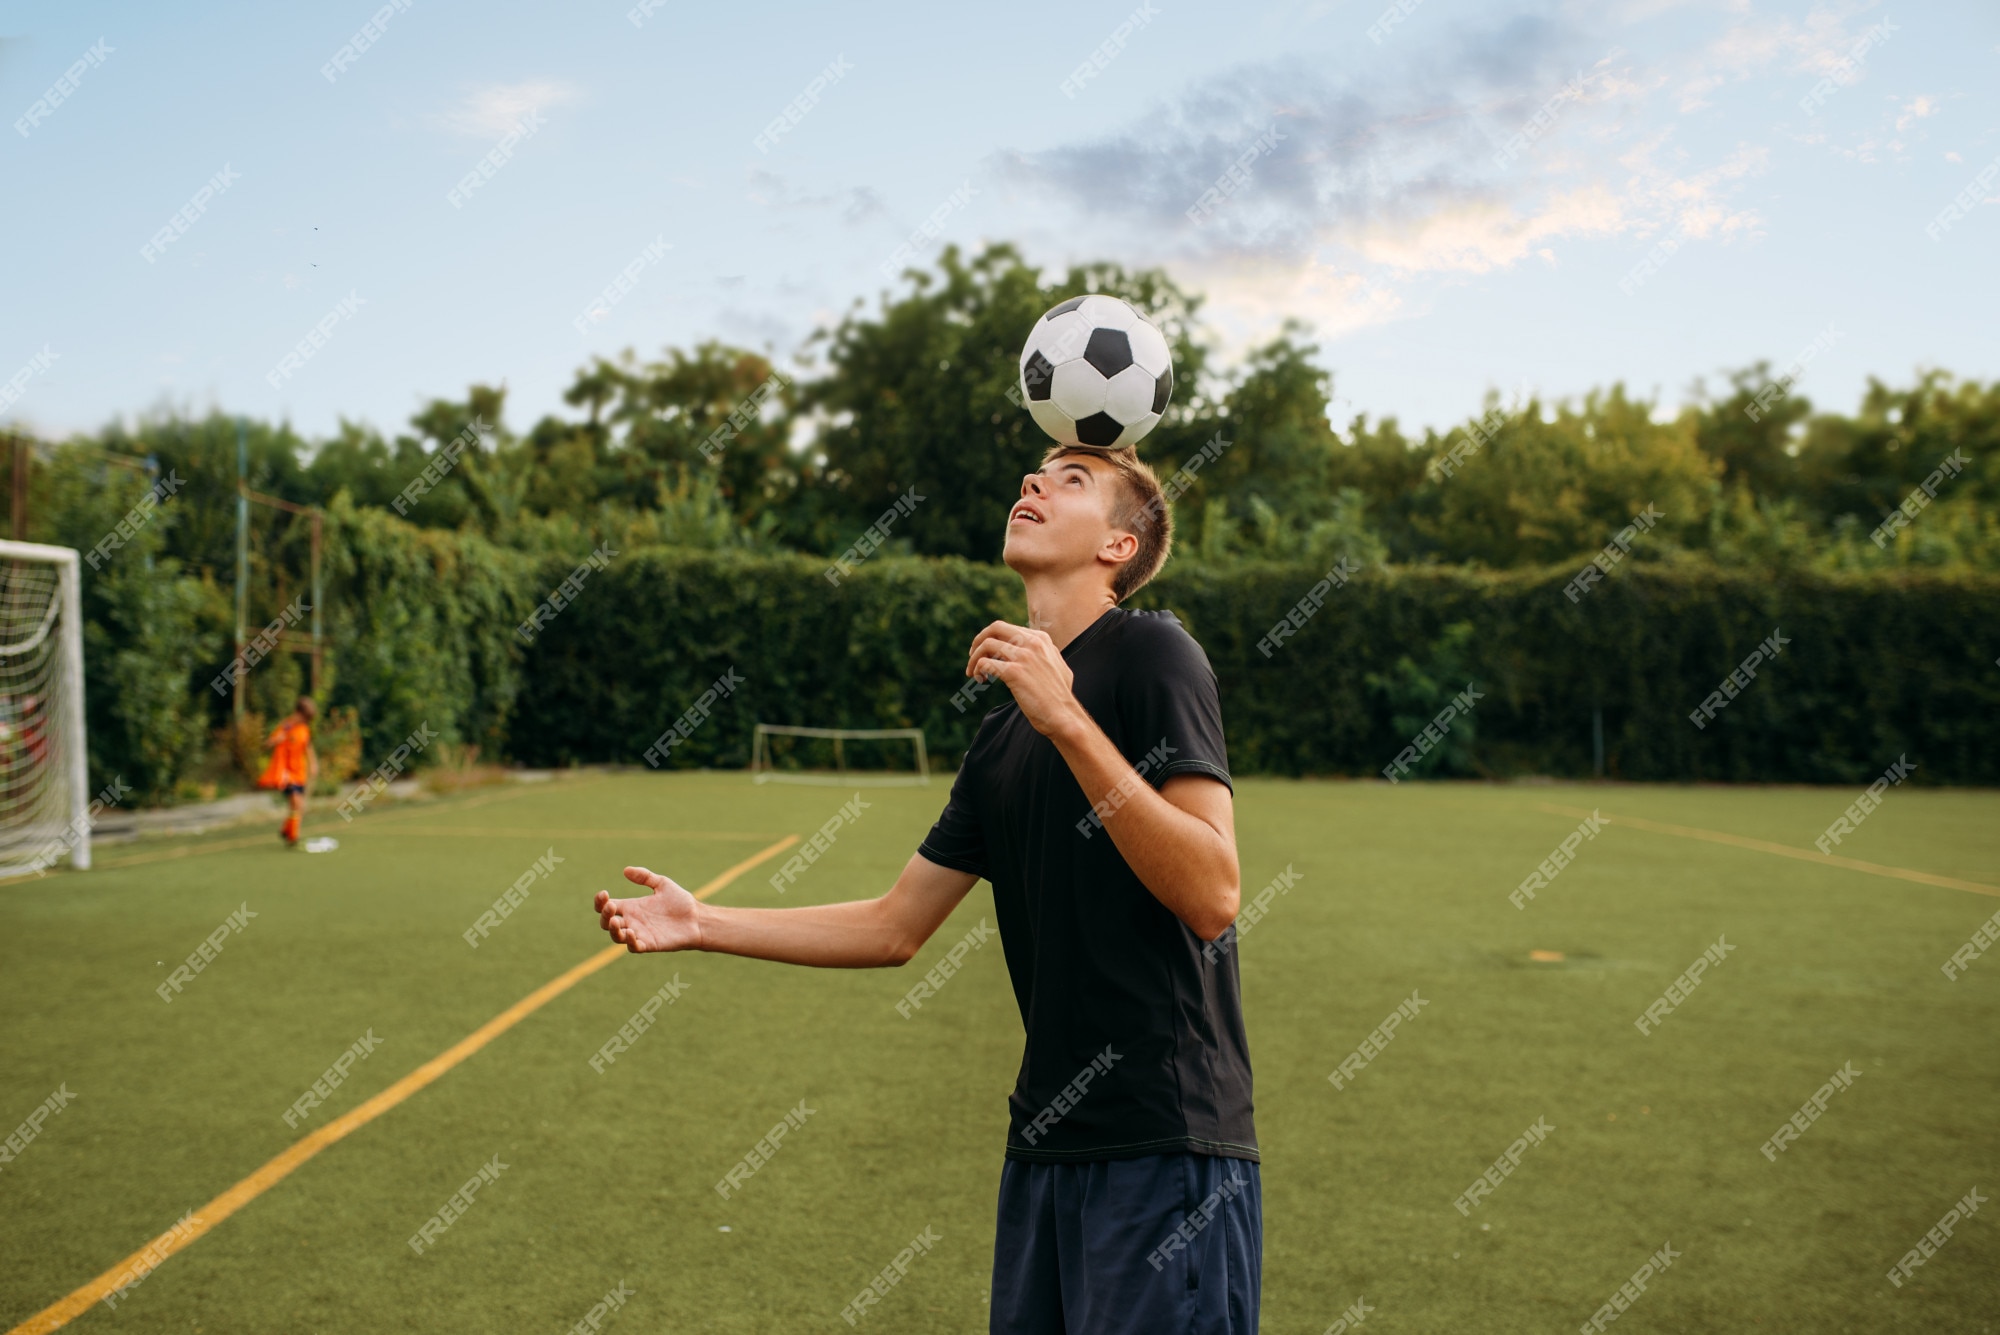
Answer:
(493, 110)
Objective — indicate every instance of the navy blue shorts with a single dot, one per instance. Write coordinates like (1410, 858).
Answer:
(1170, 1244)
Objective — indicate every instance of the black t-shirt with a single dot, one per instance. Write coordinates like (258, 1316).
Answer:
(1135, 1039)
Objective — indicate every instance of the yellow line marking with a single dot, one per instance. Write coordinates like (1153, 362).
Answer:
(1783, 850)
(229, 1202)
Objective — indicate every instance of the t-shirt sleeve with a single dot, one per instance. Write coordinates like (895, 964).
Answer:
(957, 840)
(1169, 707)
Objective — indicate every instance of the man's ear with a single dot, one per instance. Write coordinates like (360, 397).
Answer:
(1119, 548)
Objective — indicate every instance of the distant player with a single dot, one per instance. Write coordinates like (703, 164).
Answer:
(294, 764)
(1098, 803)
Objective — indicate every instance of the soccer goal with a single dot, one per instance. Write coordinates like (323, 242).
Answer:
(808, 761)
(44, 769)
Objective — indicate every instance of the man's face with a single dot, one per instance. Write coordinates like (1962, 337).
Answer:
(1062, 521)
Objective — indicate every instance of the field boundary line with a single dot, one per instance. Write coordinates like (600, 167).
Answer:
(1781, 850)
(500, 831)
(61, 1313)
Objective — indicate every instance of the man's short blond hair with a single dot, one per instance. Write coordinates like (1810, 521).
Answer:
(1138, 507)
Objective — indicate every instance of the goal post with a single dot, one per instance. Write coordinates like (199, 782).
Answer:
(44, 763)
(763, 770)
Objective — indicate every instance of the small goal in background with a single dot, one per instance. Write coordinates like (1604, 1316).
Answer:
(44, 779)
(840, 757)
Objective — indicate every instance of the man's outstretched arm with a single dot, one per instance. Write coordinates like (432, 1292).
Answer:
(859, 934)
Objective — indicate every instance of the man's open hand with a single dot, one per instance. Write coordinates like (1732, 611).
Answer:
(1032, 668)
(663, 920)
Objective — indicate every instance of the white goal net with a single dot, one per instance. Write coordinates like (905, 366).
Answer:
(44, 780)
(839, 757)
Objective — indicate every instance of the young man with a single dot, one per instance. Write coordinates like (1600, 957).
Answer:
(1098, 803)
(294, 765)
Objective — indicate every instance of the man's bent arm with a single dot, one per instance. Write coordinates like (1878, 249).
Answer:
(858, 934)
(1180, 841)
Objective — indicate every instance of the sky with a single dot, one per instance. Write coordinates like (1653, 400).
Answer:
(340, 212)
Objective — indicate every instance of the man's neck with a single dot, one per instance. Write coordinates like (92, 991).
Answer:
(1066, 605)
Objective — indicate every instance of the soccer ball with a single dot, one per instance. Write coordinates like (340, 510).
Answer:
(1096, 372)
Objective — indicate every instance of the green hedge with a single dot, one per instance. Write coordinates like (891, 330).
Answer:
(1876, 666)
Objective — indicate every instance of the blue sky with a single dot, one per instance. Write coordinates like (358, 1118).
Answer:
(1460, 206)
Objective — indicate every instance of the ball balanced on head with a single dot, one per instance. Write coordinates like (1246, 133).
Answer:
(1095, 372)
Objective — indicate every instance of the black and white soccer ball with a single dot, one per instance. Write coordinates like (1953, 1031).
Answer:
(1096, 372)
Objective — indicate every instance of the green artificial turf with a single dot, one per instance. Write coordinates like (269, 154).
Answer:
(610, 1176)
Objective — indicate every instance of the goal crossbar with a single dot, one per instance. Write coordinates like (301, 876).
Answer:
(762, 770)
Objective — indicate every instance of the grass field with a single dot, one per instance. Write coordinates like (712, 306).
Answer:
(609, 1176)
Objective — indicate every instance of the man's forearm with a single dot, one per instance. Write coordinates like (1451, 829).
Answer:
(1187, 863)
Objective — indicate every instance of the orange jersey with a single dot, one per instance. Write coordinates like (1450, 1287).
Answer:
(291, 751)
